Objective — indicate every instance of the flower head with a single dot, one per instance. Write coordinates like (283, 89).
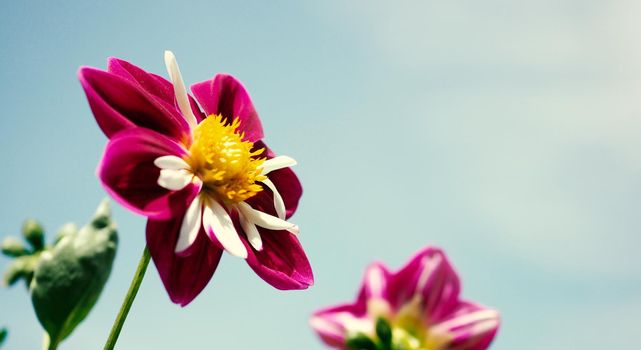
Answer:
(416, 308)
(203, 177)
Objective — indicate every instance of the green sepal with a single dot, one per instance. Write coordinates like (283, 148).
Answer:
(384, 333)
(33, 232)
(69, 277)
(11, 246)
(360, 341)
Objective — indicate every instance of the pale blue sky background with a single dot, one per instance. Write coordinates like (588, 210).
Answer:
(508, 133)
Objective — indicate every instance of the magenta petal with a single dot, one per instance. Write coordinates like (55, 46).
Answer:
(330, 324)
(470, 327)
(430, 275)
(227, 96)
(119, 103)
(375, 284)
(184, 277)
(128, 173)
(282, 262)
(149, 82)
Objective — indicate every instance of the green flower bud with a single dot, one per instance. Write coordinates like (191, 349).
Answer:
(11, 246)
(71, 275)
(68, 229)
(360, 341)
(34, 234)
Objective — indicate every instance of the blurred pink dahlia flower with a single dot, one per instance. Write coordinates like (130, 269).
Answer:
(203, 177)
(416, 308)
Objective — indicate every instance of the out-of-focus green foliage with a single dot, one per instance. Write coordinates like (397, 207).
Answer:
(3, 335)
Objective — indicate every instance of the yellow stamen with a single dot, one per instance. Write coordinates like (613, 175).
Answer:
(410, 327)
(224, 162)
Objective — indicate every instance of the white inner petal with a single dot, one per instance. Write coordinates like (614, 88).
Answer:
(485, 326)
(279, 204)
(217, 222)
(376, 281)
(354, 324)
(323, 326)
(276, 163)
(251, 231)
(171, 162)
(428, 267)
(175, 179)
(483, 317)
(265, 220)
(179, 89)
(190, 226)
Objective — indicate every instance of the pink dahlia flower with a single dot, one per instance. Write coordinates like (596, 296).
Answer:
(416, 308)
(204, 178)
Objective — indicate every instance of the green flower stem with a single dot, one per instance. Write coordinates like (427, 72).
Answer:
(129, 299)
(47, 344)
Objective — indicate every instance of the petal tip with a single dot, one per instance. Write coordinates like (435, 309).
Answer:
(169, 56)
(295, 230)
(85, 73)
(238, 252)
(257, 244)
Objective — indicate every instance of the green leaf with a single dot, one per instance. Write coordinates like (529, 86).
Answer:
(3, 335)
(69, 277)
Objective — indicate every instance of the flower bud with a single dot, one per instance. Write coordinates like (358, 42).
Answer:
(68, 229)
(71, 274)
(11, 246)
(34, 234)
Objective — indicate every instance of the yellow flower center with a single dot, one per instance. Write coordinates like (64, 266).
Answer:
(224, 162)
(410, 330)
(405, 340)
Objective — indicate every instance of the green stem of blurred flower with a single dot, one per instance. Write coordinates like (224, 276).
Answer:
(47, 344)
(129, 299)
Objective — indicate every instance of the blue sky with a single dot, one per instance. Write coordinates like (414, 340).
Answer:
(506, 133)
